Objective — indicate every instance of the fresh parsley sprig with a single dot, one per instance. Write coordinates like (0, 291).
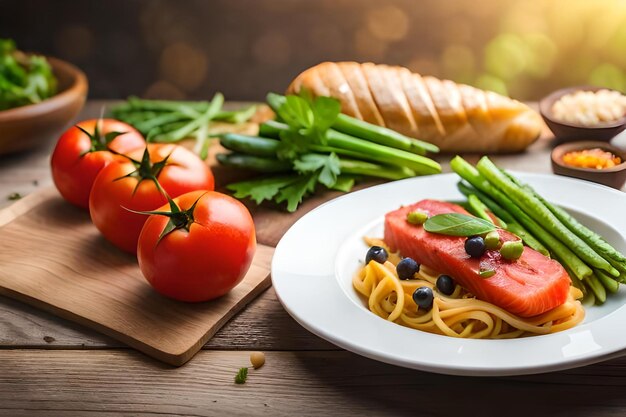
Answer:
(242, 376)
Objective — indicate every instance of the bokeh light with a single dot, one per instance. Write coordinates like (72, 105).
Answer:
(527, 48)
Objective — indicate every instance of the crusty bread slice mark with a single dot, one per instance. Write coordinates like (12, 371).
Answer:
(475, 104)
(422, 103)
(396, 113)
(455, 99)
(449, 113)
(353, 74)
(394, 86)
(310, 80)
(467, 130)
(338, 87)
(490, 132)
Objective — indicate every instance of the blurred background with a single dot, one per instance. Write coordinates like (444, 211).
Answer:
(245, 48)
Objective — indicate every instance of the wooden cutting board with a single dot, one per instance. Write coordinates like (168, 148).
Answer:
(52, 257)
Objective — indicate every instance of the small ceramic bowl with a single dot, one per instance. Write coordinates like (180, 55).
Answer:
(565, 131)
(613, 177)
(25, 127)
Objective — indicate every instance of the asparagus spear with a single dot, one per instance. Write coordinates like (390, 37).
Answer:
(607, 281)
(560, 251)
(251, 145)
(594, 240)
(271, 129)
(254, 163)
(478, 208)
(511, 224)
(532, 206)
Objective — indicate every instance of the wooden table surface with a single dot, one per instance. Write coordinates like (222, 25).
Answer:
(52, 367)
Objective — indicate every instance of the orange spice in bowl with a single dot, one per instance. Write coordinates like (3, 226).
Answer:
(591, 161)
(595, 158)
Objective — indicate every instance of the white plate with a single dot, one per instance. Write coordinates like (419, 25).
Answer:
(314, 263)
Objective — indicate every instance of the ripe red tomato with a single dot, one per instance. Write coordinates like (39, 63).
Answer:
(207, 253)
(125, 184)
(78, 157)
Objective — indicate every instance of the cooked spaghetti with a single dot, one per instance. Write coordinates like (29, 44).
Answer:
(459, 314)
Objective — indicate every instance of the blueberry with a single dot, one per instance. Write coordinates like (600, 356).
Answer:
(475, 246)
(376, 253)
(445, 284)
(407, 268)
(423, 297)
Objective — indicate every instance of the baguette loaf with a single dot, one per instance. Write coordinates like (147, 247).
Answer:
(455, 117)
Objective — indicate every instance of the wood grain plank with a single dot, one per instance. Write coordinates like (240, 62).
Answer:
(262, 325)
(90, 383)
(53, 258)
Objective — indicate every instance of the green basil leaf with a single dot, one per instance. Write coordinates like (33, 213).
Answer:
(457, 224)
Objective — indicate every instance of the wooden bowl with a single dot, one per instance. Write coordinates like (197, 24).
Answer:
(27, 126)
(613, 177)
(565, 131)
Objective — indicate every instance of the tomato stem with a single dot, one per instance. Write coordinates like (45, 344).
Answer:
(178, 219)
(145, 169)
(98, 141)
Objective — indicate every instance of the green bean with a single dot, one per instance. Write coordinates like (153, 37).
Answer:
(607, 281)
(559, 250)
(381, 135)
(251, 145)
(271, 129)
(508, 222)
(593, 239)
(532, 206)
(159, 133)
(575, 281)
(596, 287)
(144, 126)
(349, 166)
(189, 128)
(122, 108)
(236, 116)
(478, 208)
(132, 115)
(621, 268)
(467, 190)
(420, 164)
(254, 163)
(275, 101)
